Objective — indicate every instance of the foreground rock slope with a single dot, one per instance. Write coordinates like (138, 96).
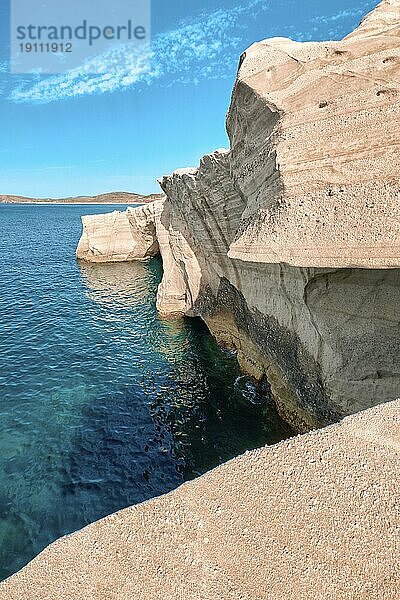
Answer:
(288, 243)
(313, 518)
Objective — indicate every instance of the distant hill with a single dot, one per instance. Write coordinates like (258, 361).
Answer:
(110, 198)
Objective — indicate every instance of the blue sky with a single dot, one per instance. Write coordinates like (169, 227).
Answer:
(121, 127)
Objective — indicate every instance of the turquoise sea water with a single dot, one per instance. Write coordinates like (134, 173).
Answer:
(102, 404)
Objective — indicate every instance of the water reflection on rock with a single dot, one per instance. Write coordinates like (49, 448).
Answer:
(203, 410)
(124, 284)
(171, 339)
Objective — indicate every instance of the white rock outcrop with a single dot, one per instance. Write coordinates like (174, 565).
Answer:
(320, 176)
(288, 243)
(120, 236)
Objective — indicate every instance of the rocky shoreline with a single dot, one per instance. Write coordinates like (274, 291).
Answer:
(314, 517)
(287, 245)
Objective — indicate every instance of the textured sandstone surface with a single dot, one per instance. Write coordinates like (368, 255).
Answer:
(327, 192)
(307, 192)
(119, 236)
(287, 244)
(180, 285)
(316, 517)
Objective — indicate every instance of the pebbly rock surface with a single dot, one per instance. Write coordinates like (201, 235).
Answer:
(319, 173)
(313, 518)
(288, 243)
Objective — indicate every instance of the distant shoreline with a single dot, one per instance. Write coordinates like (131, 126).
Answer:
(73, 203)
(106, 199)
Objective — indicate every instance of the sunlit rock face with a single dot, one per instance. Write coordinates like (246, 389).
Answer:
(320, 174)
(296, 227)
(288, 243)
(120, 236)
(180, 284)
(327, 340)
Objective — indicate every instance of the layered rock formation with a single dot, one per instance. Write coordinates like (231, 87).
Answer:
(315, 517)
(119, 236)
(288, 244)
(319, 174)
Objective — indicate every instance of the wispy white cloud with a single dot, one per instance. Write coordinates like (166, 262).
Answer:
(335, 24)
(202, 48)
(3, 70)
(343, 14)
(348, 13)
(197, 49)
(331, 26)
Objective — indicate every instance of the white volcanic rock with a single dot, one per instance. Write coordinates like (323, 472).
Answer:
(307, 192)
(287, 244)
(120, 236)
(262, 242)
(314, 131)
(181, 280)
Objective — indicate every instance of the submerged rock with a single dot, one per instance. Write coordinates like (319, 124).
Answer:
(312, 517)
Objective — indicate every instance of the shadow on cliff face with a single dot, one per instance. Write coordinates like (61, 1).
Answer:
(212, 411)
(340, 353)
(356, 313)
(186, 409)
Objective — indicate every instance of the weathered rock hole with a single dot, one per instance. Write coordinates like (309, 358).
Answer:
(389, 59)
(383, 92)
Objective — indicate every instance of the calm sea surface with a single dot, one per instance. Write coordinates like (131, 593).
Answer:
(102, 404)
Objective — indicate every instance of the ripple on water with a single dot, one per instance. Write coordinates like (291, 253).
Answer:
(102, 403)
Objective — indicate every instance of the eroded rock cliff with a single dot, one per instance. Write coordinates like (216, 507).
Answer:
(287, 246)
(288, 243)
(120, 236)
